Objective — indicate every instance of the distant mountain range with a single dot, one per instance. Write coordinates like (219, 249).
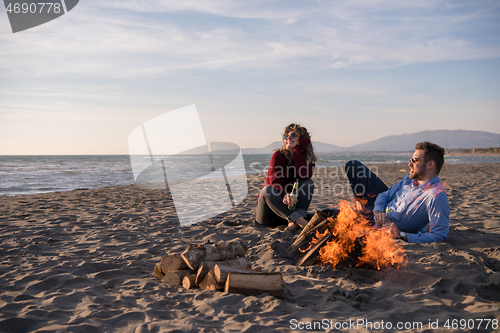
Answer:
(447, 139)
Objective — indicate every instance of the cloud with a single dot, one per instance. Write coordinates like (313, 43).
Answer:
(131, 39)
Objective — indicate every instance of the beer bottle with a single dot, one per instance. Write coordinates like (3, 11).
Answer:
(293, 196)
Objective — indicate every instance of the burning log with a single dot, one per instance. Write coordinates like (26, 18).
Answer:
(207, 266)
(189, 281)
(175, 277)
(255, 283)
(195, 254)
(317, 218)
(380, 251)
(318, 221)
(355, 243)
(309, 258)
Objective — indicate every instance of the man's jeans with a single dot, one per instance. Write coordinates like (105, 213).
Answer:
(272, 211)
(364, 183)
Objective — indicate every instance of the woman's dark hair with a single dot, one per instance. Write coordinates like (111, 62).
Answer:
(301, 131)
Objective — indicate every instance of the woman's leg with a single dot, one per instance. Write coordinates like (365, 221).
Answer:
(305, 193)
(304, 197)
(272, 211)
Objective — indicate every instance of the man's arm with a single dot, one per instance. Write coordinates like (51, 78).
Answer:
(385, 197)
(438, 209)
(383, 200)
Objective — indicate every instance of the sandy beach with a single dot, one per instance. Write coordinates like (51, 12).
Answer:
(82, 261)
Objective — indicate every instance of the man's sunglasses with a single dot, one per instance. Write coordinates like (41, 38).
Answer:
(291, 136)
(414, 160)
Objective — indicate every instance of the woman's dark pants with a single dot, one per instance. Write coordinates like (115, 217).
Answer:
(271, 210)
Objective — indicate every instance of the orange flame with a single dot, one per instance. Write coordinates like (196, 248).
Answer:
(381, 252)
(318, 235)
(353, 232)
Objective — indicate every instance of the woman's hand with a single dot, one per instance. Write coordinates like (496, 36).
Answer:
(286, 199)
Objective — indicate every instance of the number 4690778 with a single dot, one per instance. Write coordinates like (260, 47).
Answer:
(33, 8)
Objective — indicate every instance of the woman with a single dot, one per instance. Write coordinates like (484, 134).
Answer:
(294, 160)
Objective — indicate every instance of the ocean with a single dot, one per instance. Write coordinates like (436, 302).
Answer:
(22, 175)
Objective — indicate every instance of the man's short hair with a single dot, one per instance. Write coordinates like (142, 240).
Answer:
(432, 152)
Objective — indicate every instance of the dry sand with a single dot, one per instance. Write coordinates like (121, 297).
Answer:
(82, 261)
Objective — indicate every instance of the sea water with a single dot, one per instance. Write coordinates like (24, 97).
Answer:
(20, 175)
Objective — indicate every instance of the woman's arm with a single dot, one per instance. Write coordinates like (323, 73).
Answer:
(276, 172)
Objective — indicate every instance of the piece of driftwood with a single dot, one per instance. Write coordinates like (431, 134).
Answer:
(255, 283)
(221, 271)
(195, 254)
(175, 277)
(309, 258)
(158, 272)
(207, 266)
(172, 262)
(188, 281)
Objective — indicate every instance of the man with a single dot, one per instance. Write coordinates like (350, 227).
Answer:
(416, 209)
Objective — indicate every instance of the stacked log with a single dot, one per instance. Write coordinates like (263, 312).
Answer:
(220, 266)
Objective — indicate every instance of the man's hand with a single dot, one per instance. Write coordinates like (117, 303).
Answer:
(394, 231)
(286, 199)
(380, 217)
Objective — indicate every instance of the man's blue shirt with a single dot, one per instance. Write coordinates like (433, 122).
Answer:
(423, 212)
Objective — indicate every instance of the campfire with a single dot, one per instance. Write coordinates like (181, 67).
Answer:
(347, 240)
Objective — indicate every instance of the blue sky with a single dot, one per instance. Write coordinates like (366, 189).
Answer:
(350, 71)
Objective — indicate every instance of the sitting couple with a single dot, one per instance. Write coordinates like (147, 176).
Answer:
(416, 209)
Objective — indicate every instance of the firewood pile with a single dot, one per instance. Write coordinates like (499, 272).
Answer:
(220, 266)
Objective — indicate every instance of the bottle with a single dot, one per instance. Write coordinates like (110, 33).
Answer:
(293, 196)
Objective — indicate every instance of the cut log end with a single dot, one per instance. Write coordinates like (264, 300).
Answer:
(189, 281)
(158, 272)
(172, 262)
(175, 278)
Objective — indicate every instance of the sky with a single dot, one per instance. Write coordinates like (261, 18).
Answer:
(349, 71)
